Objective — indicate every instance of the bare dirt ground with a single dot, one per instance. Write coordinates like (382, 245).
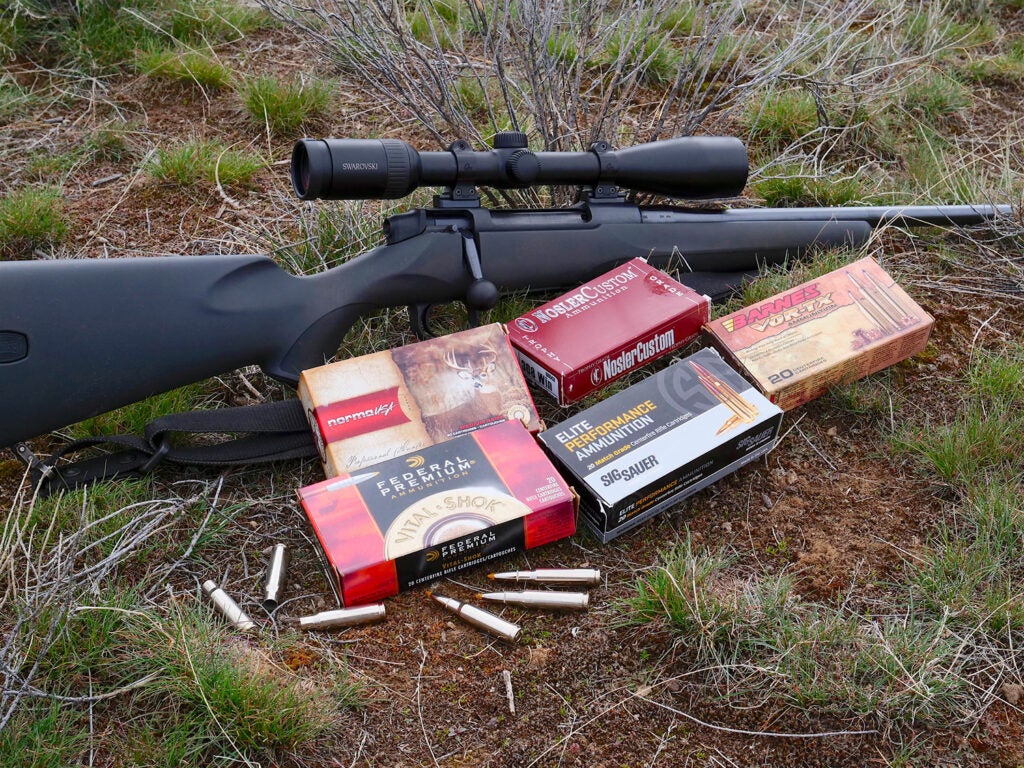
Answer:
(829, 505)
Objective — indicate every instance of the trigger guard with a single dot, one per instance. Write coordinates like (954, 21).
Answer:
(419, 321)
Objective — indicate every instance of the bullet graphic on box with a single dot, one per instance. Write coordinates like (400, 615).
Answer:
(884, 317)
(743, 411)
(481, 619)
(890, 300)
(343, 617)
(588, 576)
(228, 608)
(535, 598)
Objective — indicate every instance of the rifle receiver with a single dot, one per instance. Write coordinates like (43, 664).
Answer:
(691, 167)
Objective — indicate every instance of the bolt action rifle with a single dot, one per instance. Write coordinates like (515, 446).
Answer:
(79, 337)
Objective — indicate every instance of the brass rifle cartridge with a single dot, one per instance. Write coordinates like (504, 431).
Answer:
(535, 598)
(343, 617)
(480, 618)
(273, 586)
(228, 607)
(588, 576)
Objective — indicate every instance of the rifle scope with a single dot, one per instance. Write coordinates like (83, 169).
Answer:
(692, 167)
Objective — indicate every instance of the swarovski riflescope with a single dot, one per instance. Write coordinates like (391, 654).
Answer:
(692, 167)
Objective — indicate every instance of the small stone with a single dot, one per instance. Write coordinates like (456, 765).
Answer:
(1012, 693)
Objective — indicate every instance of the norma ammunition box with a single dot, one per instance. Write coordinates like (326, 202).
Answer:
(375, 407)
(428, 514)
(832, 330)
(660, 440)
(629, 317)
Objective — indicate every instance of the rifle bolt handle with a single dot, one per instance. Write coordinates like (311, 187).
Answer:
(482, 294)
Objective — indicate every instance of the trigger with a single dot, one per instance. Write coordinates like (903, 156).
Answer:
(419, 321)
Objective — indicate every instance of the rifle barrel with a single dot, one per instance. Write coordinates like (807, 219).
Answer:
(876, 216)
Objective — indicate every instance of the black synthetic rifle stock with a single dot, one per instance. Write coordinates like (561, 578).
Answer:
(79, 337)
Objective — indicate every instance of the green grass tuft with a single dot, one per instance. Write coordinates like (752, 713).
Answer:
(132, 419)
(216, 20)
(936, 96)
(795, 186)
(14, 100)
(754, 636)
(197, 163)
(105, 34)
(205, 679)
(780, 118)
(31, 218)
(185, 67)
(285, 105)
(655, 58)
(984, 440)
(44, 734)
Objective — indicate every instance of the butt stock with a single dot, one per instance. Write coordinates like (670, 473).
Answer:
(80, 337)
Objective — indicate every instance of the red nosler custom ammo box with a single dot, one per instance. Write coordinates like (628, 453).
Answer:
(626, 318)
(422, 516)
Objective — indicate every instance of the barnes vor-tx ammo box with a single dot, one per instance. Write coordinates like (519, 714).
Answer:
(834, 329)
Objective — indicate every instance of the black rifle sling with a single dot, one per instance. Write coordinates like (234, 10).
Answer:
(267, 432)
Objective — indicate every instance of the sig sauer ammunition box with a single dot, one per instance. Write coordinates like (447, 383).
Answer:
(413, 519)
(834, 329)
(660, 440)
(626, 318)
(375, 407)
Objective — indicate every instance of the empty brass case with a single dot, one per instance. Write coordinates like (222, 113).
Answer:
(228, 607)
(273, 585)
(343, 617)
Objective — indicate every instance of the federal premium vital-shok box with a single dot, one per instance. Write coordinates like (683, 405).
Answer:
(428, 514)
(834, 329)
(375, 407)
(626, 318)
(660, 440)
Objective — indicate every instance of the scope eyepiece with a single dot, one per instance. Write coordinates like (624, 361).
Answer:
(692, 167)
(354, 169)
